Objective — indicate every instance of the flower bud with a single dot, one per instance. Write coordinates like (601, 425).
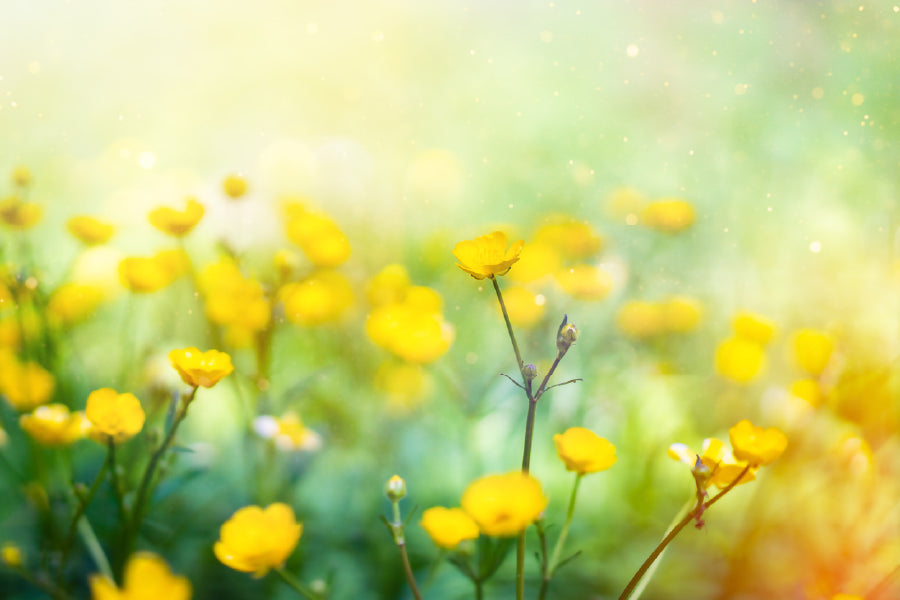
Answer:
(566, 335)
(395, 489)
(529, 372)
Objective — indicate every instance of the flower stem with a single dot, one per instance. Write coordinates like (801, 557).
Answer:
(83, 503)
(298, 587)
(674, 532)
(114, 480)
(509, 329)
(554, 559)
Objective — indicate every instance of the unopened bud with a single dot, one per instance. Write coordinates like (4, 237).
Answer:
(395, 488)
(701, 472)
(529, 372)
(566, 335)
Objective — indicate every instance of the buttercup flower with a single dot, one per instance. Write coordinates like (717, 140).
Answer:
(809, 390)
(200, 368)
(812, 350)
(389, 286)
(756, 445)
(234, 301)
(11, 555)
(413, 329)
(524, 307)
(584, 282)
(114, 415)
(234, 186)
(739, 359)
(718, 461)
(288, 432)
(583, 451)
(640, 319)
(17, 214)
(147, 576)
(145, 275)
(73, 302)
(752, 327)
(406, 385)
(90, 231)
(177, 223)
(321, 298)
(255, 540)
(447, 527)
(487, 255)
(504, 505)
(323, 242)
(575, 240)
(668, 214)
(25, 385)
(538, 259)
(680, 314)
(54, 425)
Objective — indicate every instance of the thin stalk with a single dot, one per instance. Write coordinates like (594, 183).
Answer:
(509, 329)
(94, 548)
(554, 559)
(298, 587)
(114, 480)
(79, 511)
(397, 532)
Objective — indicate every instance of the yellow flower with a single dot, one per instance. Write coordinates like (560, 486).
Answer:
(575, 240)
(113, 415)
(668, 214)
(487, 255)
(288, 432)
(321, 298)
(584, 282)
(234, 301)
(286, 262)
(389, 286)
(145, 275)
(21, 176)
(414, 329)
(177, 222)
(319, 237)
(525, 309)
(234, 186)
(640, 319)
(812, 350)
(25, 385)
(255, 540)
(756, 445)
(17, 214)
(447, 527)
(200, 368)
(680, 314)
(504, 505)
(73, 302)
(583, 451)
(54, 425)
(406, 385)
(753, 328)
(718, 461)
(809, 390)
(89, 230)
(11, 555)
(537, 260)
(146, 576)
(739, 359)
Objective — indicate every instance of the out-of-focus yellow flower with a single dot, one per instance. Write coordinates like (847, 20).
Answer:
(524, 307)
(21, 176)
(625, 204)
(487, 255)
(740, 360)
(90, 231)
(414, 329)
(25, 385)
(236, 302)
(16, 214)
(719, 462)
(321, 298)
(113, 415)
(323, 242)
(255, 540)
(388, 286)
(537, 260)
(504, 505)
(145, 275)
(640, 319)
(584, 282)
(668, 214)
(575, 240)
(406, 385)
(11, 555)
(753, 327)
(54, 425)
(146, 576)
(73, 302)
(447, 527)
(812, 350)
(809, 390)
(234, 186)
(9, 333)
(756, 445)
(681, 314)
(198, 368)
(174, 222)
(583, 451)
(288, 432)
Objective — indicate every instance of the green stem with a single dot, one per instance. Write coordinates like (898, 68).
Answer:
(674, 532)
(298, 587)
(114, 480)
(79, 512)
(509, 329)
(94, 547)
(407, 570)
(554, 559)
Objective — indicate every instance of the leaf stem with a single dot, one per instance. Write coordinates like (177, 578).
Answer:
(296, 585)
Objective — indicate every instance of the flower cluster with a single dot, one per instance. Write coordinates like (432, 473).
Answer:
(237, 303)
(741, 358)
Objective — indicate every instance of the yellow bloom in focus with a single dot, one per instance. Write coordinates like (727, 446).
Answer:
(584, 282)
(54, 425)
(25, 385)
(575, 240)
(668, 214)
(234, 186)
(90, 231)
(73, 302)
(323, 242)
(414, 329)
(389, 286)
(809, 390)
(113, 415)
(681, 314)
(812, 350)
(447, 527)
(583, 451)
(17, 214)
(718, 461)
(640, 319)
(756, 445)
(255, 540)
(147, 576)
(177, 223)
(21, 176)
(753, 328)
(321, 298)
(406, 385)
(197, 368)
(504, 505)
(11, 555)
(487, 255)
(739, 360)
(525, 309)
